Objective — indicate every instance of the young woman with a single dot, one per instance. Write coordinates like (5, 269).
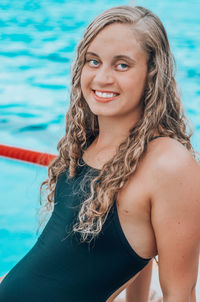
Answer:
(125, 185)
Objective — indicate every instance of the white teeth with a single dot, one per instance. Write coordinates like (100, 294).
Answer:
(105, 94)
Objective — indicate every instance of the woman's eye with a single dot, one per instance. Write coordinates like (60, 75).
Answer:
(93, 63)
(122, 66)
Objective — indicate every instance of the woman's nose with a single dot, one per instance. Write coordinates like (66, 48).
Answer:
(104, 75)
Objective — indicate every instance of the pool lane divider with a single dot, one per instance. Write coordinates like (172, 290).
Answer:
(27, 155)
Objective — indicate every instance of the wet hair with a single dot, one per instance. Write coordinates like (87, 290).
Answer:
(162, 112)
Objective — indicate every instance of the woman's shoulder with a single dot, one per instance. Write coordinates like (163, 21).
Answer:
(166, 154)
(166, 161)
(171, 164)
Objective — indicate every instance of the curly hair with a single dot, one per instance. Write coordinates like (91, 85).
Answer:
(162, 112)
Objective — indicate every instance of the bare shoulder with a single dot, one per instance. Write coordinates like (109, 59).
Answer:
(165, 161)
(172, 171)
(169, 157)
(175, 178)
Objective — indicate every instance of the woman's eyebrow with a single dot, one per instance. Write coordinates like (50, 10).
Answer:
(118, 57)
(124, 57)
(91, 53)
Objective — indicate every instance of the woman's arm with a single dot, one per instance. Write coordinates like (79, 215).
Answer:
(176, 221)
(139, 289)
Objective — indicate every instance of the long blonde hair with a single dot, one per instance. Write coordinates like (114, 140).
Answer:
(162, 111)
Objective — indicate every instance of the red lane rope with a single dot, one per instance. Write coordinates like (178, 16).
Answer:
(35, 157)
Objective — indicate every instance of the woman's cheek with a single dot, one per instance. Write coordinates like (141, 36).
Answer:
(85, 77)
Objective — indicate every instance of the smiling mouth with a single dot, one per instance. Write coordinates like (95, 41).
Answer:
(104, 96)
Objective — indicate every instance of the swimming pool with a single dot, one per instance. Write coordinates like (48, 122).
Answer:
(36, 52)
(18, 209)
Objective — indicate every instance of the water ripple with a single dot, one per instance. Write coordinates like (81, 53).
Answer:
(52, 57)
(33, 128)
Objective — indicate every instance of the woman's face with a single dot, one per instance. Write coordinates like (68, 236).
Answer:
(114, 75)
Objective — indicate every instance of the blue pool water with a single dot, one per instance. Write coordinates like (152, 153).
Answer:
(37, 43)
(18, 209)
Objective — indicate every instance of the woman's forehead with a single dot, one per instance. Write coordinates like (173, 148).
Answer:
(116, 39)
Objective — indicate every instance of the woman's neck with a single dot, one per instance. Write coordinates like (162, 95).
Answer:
(112, 131)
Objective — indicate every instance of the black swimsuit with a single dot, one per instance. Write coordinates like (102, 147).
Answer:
(60, 268)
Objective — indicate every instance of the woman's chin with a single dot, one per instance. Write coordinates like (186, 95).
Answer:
(102, 113)
(100, 110)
